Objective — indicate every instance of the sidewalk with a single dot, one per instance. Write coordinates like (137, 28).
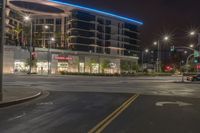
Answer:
(13, 96)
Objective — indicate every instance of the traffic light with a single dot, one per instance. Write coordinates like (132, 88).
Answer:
(196, 60)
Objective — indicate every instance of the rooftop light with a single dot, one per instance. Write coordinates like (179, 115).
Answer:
(97, 11)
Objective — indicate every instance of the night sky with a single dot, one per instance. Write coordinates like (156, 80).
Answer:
(174, 17)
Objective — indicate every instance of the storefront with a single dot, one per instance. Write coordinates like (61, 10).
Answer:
(71, 62)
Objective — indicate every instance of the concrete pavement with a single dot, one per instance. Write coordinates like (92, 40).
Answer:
(14, 95)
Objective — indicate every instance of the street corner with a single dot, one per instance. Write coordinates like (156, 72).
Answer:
(12, 96)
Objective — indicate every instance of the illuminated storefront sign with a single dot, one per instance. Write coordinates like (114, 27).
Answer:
(63, 58)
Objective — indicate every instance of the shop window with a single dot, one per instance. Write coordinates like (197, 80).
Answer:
(62, 66)
(20, 66)
(81, 67)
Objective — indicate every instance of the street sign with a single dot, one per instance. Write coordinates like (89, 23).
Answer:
(196, 53)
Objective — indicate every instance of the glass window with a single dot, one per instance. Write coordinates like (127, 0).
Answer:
(82, 15)
(58, 21)
(41, 21)
(49, 21)
(100, 21)
(108, 22)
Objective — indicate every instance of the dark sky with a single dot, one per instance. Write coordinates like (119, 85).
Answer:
(174, 17)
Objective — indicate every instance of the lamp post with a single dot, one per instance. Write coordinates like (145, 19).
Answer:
(2, 41)
(196, 33)
(46, 27)
(159, 55)
(145, 51)
(157, 43)
(49, 54)
(27, 19)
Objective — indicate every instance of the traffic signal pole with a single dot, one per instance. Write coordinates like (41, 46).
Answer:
(2, 25)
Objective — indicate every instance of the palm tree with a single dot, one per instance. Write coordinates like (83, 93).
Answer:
(17, 30)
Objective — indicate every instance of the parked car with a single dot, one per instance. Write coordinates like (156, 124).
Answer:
(194, 78)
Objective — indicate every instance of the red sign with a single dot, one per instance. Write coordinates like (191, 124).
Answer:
(63, 58)
(168, 68)
(34, 54)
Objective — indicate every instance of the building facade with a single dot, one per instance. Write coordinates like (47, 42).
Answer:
(63, 37)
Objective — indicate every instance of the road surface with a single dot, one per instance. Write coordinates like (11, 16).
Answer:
(81, 104)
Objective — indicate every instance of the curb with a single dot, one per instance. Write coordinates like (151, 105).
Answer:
(18, 101)
(187, 82)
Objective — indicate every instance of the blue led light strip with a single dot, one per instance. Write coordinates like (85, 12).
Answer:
(97, 11)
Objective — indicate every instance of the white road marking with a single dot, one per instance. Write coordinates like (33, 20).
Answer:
(179, 103)
(46, 103)
(17, 117)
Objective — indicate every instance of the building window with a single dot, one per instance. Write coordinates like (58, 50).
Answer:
(49, 21)
(108, 22)
(100, 21)
(58, 21)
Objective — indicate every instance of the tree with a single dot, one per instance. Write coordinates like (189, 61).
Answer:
(31, 63)
(91, 62)
(17, 30)
(105, 64)
(128, 66)
(26, 35)
(125, 65)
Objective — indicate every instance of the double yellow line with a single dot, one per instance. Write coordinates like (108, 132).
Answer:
(105, 122)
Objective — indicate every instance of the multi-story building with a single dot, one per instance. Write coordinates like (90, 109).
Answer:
(72, 38)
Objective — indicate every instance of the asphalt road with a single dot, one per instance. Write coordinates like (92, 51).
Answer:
(144, 116)
(79, 104)
(141, 85)
(60, 112)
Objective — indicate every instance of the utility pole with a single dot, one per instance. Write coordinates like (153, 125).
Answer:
(31, 46)
(159, 58)
(2, 41)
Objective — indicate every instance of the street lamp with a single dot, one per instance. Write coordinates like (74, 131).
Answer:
(192, 33)
(53, 39)
(185, 52)
(145, 51)
(27, 19)
(49, 54)
(157, 43)
(46, 27)
(196, 33)
(166, 38)
(191, 46)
